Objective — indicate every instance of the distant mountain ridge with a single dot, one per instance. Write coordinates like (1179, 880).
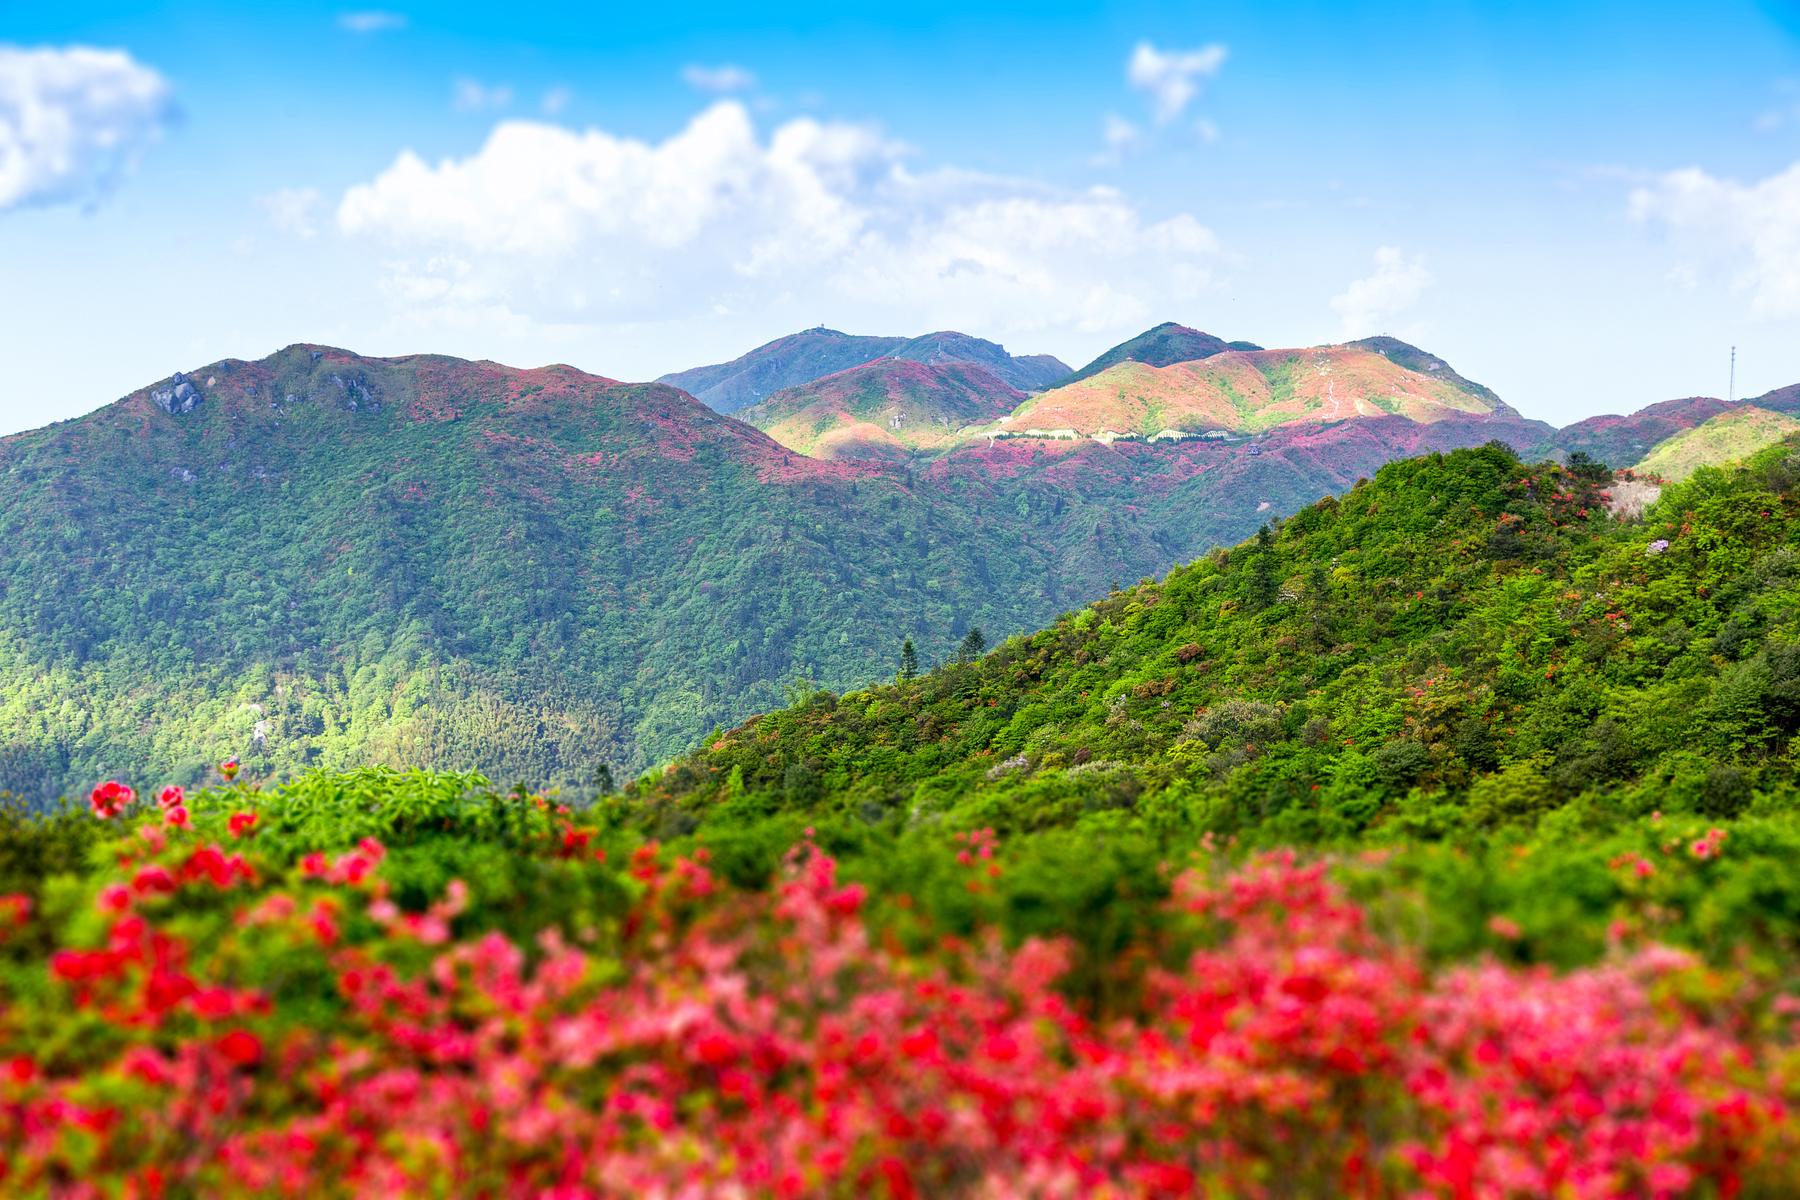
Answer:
(815, 353)
(782, 363)
(324, 559)
(1168, 382)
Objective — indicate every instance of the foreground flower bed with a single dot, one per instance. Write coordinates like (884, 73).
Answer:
(222, 1008)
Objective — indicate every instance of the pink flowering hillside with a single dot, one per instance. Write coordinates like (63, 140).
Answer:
(382, 985)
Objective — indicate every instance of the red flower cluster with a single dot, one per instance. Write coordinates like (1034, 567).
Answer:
(725, 1043)
(110, 799)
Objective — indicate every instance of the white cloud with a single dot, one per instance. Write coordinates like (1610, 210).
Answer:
(720, 79)
(1369, 303)
(557, 227)
(1753, 229)
(292, 210)
(74, 121)
(1120, 137)
(471, 95)
(371, 21)
(1172, 78)
(556, 99)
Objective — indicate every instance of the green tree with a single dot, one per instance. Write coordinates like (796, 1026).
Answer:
(1260, 588)
(909, 660)
(974, 644)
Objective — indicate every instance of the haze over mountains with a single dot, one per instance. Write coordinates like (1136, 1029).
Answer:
(325, 559)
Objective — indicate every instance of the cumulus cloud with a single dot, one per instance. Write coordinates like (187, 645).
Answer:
(561, 227)
(471, 95)
(720, 80)
(371, 21)
(292, 211)
(1394, 286)
(1752, 229)
(1172, 78)
(73, 122)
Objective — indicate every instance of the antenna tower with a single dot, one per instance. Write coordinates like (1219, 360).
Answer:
(1731, 391)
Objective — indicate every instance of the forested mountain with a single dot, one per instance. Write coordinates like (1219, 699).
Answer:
(1465, 643)
(324, 559)
(320, 558)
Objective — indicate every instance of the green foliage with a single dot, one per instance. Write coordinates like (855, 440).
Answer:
(1467, 656)
(335, 561)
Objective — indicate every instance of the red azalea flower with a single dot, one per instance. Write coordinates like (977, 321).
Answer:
(177, 816)
(110, 799)
(241, 1048)
(229, 768)
(172, 797)
(241, 823)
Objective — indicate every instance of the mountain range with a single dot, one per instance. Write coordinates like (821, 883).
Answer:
(326, 559)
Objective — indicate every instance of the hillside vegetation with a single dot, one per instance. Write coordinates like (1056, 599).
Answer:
(321, 559)
(1438, 842)
(1249, 392)
(1466, 651)
(1734, 434)
(890, 408)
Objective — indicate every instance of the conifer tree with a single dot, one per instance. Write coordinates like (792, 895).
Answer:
(1262, 583)
(974, 644)
(909, 660)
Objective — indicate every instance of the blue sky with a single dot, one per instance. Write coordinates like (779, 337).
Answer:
(1582, 209)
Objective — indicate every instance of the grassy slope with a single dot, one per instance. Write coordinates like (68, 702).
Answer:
(1731, 435)
(1246, 392)
(887, 408)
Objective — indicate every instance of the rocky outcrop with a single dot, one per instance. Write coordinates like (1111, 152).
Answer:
(177, 396)
(356, 394)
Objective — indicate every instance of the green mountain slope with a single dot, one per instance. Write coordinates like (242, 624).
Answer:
(322, 559)
(1733, 434)
(1462, 644)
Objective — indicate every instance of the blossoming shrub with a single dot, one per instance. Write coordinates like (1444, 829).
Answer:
(367, 987)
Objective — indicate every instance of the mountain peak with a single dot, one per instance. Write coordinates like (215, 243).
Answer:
(1160, 346)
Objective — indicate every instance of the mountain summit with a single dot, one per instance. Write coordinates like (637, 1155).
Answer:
(1162, 346)
(815, 353)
